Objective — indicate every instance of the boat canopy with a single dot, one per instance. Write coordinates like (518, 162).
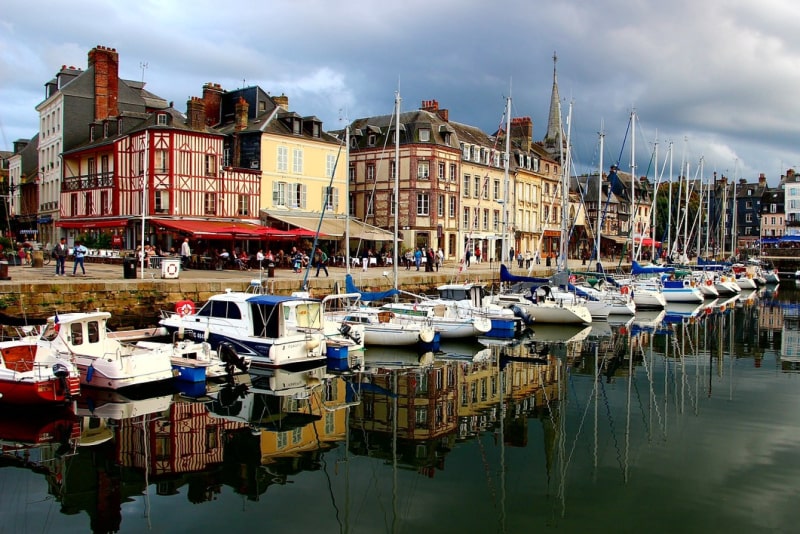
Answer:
(368, 296)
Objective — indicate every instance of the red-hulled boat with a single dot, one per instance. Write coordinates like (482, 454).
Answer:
(29, 378)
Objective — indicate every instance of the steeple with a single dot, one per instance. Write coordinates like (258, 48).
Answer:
(554, 127)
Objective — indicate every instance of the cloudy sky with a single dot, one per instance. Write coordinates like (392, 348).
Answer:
(717, 79)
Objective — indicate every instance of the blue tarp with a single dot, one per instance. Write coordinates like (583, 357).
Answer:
(649, 269)
(368, 296)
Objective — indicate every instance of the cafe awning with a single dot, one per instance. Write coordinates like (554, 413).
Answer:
(621, 239)
(333, 226)
(216, 229)
(89, 224)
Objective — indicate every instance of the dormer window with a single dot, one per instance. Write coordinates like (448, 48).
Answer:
(296, 126)
(353, 142)
(161, 119)
(424, 135)
(315, 129)
(371, 140)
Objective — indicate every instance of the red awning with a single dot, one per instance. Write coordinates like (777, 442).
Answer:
(89, 224)
(647, 242)
(215, 229)
(300, 232)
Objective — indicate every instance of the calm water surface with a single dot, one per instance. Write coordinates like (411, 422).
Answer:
(685, 421)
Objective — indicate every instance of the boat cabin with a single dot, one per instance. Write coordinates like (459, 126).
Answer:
(473, 293)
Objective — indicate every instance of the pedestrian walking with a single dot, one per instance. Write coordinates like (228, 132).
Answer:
(186, 254)
(78, 254)
(60, 254)
(321, 259)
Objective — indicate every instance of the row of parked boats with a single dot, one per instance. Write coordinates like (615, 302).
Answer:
(235, 330)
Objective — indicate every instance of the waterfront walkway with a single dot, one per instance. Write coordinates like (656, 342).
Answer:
(485, 272)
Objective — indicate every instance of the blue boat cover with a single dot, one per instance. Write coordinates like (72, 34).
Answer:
(649, 269)
(506, 276)
(272, 300)
(368, 296)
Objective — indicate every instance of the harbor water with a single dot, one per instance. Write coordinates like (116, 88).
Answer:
(677, 421)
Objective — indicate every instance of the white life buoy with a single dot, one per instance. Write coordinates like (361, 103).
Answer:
(184, 307)
(172, 268)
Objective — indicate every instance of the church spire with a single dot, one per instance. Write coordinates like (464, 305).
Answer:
(554, 128)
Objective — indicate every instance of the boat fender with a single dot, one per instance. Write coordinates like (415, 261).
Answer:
(184, 307)
(426, 336)
(90, 373)
(312, 344)
(624, 290)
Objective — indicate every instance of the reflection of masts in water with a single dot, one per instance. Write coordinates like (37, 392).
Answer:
(628, 411)
(395, 390)
(501, 379)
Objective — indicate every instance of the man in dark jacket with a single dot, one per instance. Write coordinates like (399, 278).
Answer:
(60, 254)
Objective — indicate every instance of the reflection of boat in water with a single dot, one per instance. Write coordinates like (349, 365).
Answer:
(23, 429)
(278, 400)
(679, 311)
(385, 357)
(564, 333)
(647, 319)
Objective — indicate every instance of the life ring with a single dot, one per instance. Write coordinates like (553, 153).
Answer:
(624, 290)
(172, 268)
(709, 282)
(184, 307)
(573, 279)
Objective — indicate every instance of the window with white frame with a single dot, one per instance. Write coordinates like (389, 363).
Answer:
(453, 172)
(477, 186)
(424, 135)
(210, 203)
(371, 140)
(370, 172)
(441, 171)
(370, 205)
(330, 165)
(161, 201)
(452, 207)
(243, 204)
(466, 186)
(440, 206)
(496, 225)
(423, 170)
(162, 161)
(497, 189)
(423, 204)
(485, 219)
(773, 208)
(297, 161)
(351, 172)
(476, 218)
(392, 169)
(352, 205)
(297, 195)
(278, 193)
(331, 198)
(211, 165)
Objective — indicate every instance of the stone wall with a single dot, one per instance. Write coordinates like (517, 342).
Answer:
(139, 303)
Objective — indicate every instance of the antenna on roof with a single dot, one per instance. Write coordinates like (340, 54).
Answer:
(143, 65)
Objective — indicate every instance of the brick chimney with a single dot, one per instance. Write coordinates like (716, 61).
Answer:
(106, 81)
(212, 97)
(433, 107)
(762, 178)
(282, 101)
(522, 132)
(196, 111)
(241, 109)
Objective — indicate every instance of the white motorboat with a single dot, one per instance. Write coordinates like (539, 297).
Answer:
(684, 290)
(544, 310)
(619, 303)
(272, 330)
(383, 328)
(103, 361)
(726, 286)
(705, 283)
(450, 321)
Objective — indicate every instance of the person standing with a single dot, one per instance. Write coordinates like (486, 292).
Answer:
(418, 257)
(468, 256)
(321, 259)
(78, 254)
(60, 254)
(439, 259)
(186, 254)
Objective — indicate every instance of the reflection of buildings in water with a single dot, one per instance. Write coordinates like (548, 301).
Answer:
(790, 334)
(770, 324)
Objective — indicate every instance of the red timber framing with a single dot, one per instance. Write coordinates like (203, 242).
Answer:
(185, 177)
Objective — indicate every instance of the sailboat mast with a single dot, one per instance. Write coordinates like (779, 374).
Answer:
(347, 199)
(700, 211)
(562, 257)
(144, 194)
(733, 211)
(599, 193)
(669, 203)
(686, 219)
(396, 198)
(653, 210)
(504, 241)
(632, 232)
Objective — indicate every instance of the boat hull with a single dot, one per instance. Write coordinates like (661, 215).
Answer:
(37, 392)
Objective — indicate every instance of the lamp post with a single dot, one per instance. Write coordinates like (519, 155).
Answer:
(9, 196)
